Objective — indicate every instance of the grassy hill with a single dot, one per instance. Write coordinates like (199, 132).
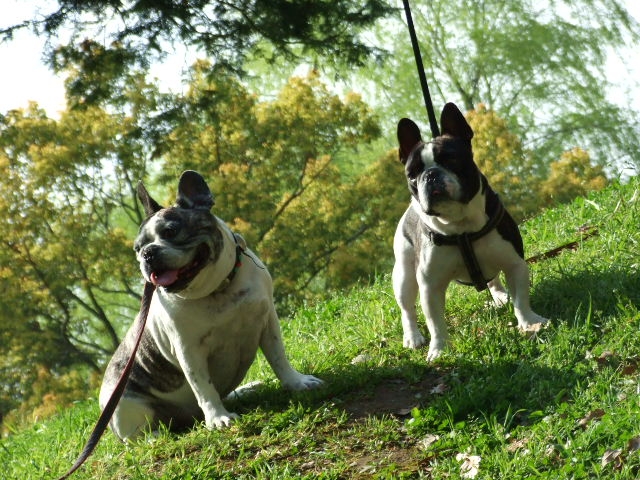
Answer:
(565, 404)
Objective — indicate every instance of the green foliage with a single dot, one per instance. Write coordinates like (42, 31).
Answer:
(561, 405)
(48, 392)
(511, 170)
(572, 176)
(543, 68)
(67, 277)
(273, 166)
(95, 74)
(225, 31)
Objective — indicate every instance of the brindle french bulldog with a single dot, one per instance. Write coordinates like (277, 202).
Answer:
(211, 310)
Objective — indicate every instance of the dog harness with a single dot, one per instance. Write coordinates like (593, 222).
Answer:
(464, 241)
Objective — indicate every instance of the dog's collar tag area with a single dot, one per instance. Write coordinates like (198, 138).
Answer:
(464, 241)
(236, 266)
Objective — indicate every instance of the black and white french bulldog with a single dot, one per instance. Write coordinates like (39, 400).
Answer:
(454, 229)
(211, 310)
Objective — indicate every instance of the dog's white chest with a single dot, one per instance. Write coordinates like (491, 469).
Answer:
(447, 263)
(222, 332)
(213, 319)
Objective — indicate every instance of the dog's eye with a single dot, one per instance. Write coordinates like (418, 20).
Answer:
(170, 231)
(139, 243)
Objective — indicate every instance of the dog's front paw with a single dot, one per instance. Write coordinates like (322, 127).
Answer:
(499, 294)
(303, 382)
(221, 421)
(413, 340)
(436, 348)
(532, 324)
(434, 353)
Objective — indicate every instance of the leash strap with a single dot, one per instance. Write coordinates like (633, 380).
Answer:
(433, 123)
(236, 266)
(107, 413)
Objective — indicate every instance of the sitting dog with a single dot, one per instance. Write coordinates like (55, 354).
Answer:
(454, 229)
(211, 310)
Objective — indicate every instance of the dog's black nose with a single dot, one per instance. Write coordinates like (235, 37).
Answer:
(149, 253)
(432, 176)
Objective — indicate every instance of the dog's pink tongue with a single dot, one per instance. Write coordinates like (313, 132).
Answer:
(165, 278)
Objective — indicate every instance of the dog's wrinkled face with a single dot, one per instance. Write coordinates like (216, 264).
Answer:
(175, 244)
(442, 175)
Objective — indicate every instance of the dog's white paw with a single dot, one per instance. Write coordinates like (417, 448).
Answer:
(413, 340)
(436, 348)
(303, 382)
(221, 421)
(532, 324)
(500, 299)
(434, 353)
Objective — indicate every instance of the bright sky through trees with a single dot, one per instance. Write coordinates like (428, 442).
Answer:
(30, 79)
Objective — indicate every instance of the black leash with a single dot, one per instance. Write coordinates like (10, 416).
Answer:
(110, 407)
(433, 123)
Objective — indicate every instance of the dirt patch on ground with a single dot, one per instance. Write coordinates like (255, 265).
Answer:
(368, 466)
(394, 396)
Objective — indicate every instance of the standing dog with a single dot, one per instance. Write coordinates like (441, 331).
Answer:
(211, 310)
(454, 229)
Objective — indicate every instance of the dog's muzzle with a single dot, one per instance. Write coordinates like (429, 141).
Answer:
(436, 188)
(174, 279)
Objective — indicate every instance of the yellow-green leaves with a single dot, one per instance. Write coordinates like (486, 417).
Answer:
(513, 172)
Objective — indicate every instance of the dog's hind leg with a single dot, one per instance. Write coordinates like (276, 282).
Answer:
(243, 390)
(131, 417)
(498, 292)
(517, 276)
(273, 348)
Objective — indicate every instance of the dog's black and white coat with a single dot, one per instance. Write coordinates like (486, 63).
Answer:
(208, 316)
(451, 199)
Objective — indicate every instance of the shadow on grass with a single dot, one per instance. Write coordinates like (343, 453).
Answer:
(440, 395)
(512, 392)
(562, 296)
(510, 386)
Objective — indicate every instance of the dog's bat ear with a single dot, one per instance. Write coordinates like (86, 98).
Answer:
(453, 123)
(149, 204)
(193, 192)
(408, 137)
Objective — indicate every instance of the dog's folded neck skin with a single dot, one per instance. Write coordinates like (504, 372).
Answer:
(455, 221)
(215, 273)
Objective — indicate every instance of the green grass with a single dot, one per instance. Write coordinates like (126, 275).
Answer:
(548, 407)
